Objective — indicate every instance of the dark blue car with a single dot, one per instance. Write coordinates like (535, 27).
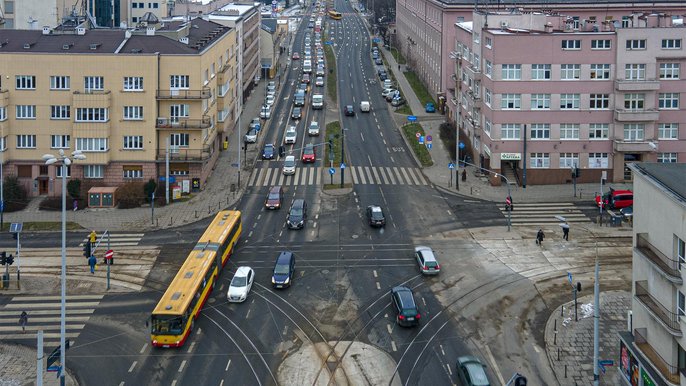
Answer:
(284, 270)
(268, 152)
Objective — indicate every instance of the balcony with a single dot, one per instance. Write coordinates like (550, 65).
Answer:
(4, 98)
(667, 318)
(474, 72)
(669, 372)
(185, 154)
(182, 94)
(96, 99)
(637, 85)
(166, 123)
(634, 146)
(636, 115)
(669, 268)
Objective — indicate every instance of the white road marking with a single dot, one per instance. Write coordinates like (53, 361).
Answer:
(173, 383)
(388, 327)
(442, 351)
(423, 300)
(378, 286)
(393, 346)
(143, 349)
(247, 314)
(132, 365)
(183, 364)
(190, 348)
(449, 214)
(392, 160)
(227, 365)
(447, 365)
(362, 136)
(494, 365)
(370, 159)
(375, 275)
(249, 234)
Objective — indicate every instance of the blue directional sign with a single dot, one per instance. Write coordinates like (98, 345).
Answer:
(421, 139)
(461, 145)
(328, 42)
(172, 179)
(342, 165)
(411, 118)
(569, 276)
(451, 166)
(606, 362)
(2, 206)
(332, 170)
(376, 40)
(429, 145)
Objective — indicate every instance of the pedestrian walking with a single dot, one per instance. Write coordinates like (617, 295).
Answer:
(91, 262)
(565, 230)
(539, 237)
(23, 320)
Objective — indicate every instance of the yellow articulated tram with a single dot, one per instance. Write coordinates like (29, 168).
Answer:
(335, 14)
(172, 320)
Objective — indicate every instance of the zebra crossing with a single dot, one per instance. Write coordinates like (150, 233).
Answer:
(365, 175)
(118, 240)
(44, 314)
(528, 214)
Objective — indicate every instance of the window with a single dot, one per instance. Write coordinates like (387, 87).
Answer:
(25, 82)
(487, 126)
(212, 70)
(91, 144)
(60, 112)
(92, 114)
(540, 131)
(487, 96)
(635, 71)
(59, 141)
(668, 100)
(133, 83)
(598, 131)
(569, 101)
(681, 303)
(600, 71)
(634, 101)
(540, 101)
(3, 143)
(58, 171)
(178, 111)
(540, 71)
(680, 251)
(93, 171)
(60, 82)
(598, 160)
(634, 131)
(205, 77)
(179, 81)
(571, 44)
(133, 112)
(636, 44)
(668, 131)
(488, 42)
(3, 113)
(93, 83)
(539, 160)
(511, 101)
(509, 131)
(26, 141)
(570, 71)
(153, 5)
(666, 157)
(133, 142)
(25, 112)
(669, 70)
(569, 131)
(604, 44)
(180, 140)
(133, 171)
(600, 101)
(489, 68)
(671, 44)
(512, 71)
(569, 160)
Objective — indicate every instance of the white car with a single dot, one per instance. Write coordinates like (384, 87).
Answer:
(265, 112)
(240, 285)
(313, 129)
(271, 86)
(289, 165)
(271, 93)
(319, 81)
(291, 135)
(270, 100)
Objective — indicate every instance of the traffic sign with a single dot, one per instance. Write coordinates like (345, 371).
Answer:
(376, 40)
(429, 138)
(429, 145)
(569, 276)
(606, 362)
(328, 42)
(421, 139)
(461, 145)
(332, 170)
(342, 165)
(2, 206)
(412, 118)
(109, 254)
(451, 166)
(418, 134)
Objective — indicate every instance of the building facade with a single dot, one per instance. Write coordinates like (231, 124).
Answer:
(652, 351)
(119, 97)
(541, 98)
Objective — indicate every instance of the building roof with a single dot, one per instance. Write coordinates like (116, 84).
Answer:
(201, 34)
(269, 25)
(671, 176)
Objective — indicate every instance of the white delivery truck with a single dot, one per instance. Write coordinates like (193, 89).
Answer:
(317, 101)
(365, 106)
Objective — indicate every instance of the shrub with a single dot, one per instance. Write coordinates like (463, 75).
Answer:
(55, 203)
(448, 135)
(130, 195)
(15, 195)
(160, 195)
(149, 188)
(74, 188)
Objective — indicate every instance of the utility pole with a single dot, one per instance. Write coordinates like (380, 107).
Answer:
(166, 163)
(343, 158)
(596, 318)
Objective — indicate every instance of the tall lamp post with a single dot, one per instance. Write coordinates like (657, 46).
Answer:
(66, 161)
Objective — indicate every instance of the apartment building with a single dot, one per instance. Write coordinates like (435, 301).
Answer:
(426, 37)
(539, 97)
(652, 350)
(119, 96)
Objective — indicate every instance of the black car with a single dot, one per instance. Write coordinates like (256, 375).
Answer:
(283, 270)
(349, 110)
(378, 61)
(297, 113)
(375, 216)
(268, 151)
(297, 215)
(405, 307)
(383, 76)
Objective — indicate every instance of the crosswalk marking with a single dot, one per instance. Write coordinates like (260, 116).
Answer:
(118, 240)
(366, 175)
(544, 213)
(355, 180)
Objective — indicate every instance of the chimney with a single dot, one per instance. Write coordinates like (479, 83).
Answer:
(184, 40)
(47, 30)
(80, 31)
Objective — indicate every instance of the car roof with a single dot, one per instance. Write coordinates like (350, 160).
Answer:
(242, 271)
(291, 128)
(475, 368)
(290, 158)
(375, 208)
(284, 257)
(269, 145)
(405, 296)
(615, 192)
(427, 253)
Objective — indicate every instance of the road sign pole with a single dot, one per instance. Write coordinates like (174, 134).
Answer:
(106, 262)
(343, 159)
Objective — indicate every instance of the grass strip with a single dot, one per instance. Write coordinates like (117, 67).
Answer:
(419, 88)
(333, 130)
(420, 151)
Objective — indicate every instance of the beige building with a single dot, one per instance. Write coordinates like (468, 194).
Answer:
(272, 45)
(652, 351)
(118, 96)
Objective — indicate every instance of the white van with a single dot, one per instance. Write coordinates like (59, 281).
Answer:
(307, 66)
(365, 106)
(317, 101)
(387, 83)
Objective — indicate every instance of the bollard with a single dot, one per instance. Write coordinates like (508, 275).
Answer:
(171, 220)
(565, 371)
(471, 190)
(562, 310)
(581, 193)
(558, 354)
(208, 209)
(555, 334)
(196, 213)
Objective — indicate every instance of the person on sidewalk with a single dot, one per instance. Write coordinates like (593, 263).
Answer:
(565, 230)
(539, 237)
(23, 320)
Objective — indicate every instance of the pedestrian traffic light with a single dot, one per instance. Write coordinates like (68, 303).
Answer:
(331, 145)
(9, 260)
(87, 249)
(578, 286)
(3, 258)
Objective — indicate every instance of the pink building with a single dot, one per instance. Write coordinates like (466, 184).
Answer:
(539, 95)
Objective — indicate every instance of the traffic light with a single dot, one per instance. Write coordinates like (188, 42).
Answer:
(520, 381)
(9, 260)
(331, 145)
(3, 258)
(87, 249)
(15, 235)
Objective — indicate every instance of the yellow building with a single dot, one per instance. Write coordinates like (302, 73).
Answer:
(118, 96)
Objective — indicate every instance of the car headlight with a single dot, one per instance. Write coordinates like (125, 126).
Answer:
(273, 281)
(288, 279)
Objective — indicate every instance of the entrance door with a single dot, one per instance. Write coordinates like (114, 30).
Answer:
(629, 158)
(42, 187)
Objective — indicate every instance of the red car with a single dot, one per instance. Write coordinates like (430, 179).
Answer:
(274, 198)
(309, 154)
(616, 199)
(296, 56)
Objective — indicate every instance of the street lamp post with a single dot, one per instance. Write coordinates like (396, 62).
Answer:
(66, 161)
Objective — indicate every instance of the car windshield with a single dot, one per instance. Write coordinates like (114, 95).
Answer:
(296, 212)
(377, 215)
(239, 281)
(281, 269)
(289, 162)
(309, 150)
(274, 196)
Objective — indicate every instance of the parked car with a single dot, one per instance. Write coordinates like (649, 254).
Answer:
(291, 135)
(297, 113)
(250, 136)
(349, 110)
(309, 154)
(616, 199)
(274, 198)
(297, 214)
(375, 216)
(470, 371)
(284, 268)
(383, 75)
(255, 124)
(378, 61)
(269, 100)
(313, 130)
(426, 259)
(387, 91)
(271, 86)
(398, 101)
(405, 307)
(240, 285)
(430, 108)
(289, 165)
(387, 83)
(268, 151)
(265, 112)
(391, 95)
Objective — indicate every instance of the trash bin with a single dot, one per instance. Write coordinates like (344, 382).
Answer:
(615, 220)
(5, 280)
(226, 145)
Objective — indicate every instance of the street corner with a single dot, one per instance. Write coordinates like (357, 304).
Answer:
(497, 233)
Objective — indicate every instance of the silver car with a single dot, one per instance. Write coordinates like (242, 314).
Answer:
(426, 260)
(291, 135)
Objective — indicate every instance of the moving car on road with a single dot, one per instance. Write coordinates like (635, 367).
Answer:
(309, 154)
(471, 372)
(297, 113)
(283, 270)
(289, 165)
(240, 285)
(407, 313)
(426, 260)
(313, 130)
(291, 135)
(297, 214)
(296, 56)
(268, 151)
(274, 198)
(319, 81)
(375, 216)
(349, 110)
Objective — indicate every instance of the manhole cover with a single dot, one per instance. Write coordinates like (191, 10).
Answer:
(325, 271)
(355, 236)
(211, 300)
